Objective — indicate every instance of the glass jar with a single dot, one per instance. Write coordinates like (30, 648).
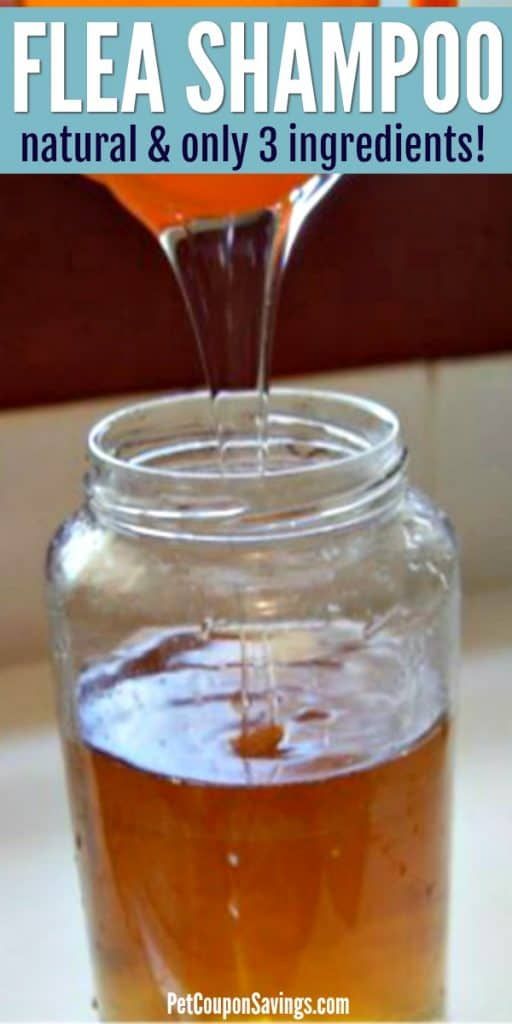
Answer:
(255, 646)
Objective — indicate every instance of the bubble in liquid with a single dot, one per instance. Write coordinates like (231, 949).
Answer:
(233, 911)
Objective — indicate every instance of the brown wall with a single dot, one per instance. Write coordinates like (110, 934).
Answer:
(390, 268)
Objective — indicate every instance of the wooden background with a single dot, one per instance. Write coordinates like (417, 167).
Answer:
(391, 268)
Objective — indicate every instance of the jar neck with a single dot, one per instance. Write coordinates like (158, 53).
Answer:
(328, 461)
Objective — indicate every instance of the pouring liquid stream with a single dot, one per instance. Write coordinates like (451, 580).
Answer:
(229, 271)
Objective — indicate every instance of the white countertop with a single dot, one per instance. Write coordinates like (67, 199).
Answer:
(44, 971)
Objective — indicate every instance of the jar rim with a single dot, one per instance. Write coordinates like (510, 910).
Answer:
(323, 451)
(99, 434)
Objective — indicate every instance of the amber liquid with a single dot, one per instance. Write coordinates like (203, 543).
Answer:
(225, 851)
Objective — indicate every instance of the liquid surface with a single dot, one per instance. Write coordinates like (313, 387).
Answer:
(295, 844)
(183, 706)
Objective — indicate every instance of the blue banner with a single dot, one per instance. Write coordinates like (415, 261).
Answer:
(255, 90)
